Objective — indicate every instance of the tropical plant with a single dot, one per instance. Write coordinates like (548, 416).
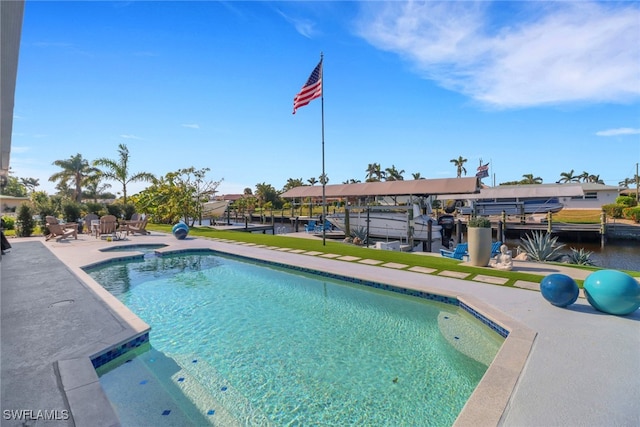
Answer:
(416, 175)
(292, 183)
(459, 164)
(479, 222)
(75, 171)
(118, 170)
(359, 233)
(72, 211)
(580, 257)
(568, 177)
(312, 181)
(530, 179)
(626, 201)
(394, 174)
(541, 247)
(374, 172)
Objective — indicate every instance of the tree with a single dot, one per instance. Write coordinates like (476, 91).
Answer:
(75, 171)
(459, 164)
(95, 188)
(292, 183)
(30, 183)
(394, 174)
(529, 179)
(416, 175)
(313, 180)
(266, 193)
(118, 170)
(568, 177)
(351, 181)
(14, 187)
(374, 172)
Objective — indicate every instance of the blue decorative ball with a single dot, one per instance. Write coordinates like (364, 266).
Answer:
(180, 230)
(559, 289)
(613, 292)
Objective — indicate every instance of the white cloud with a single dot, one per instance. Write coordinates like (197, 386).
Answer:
(546, 53)
(618, 131)
(305, 27)
(191, 125)
(128, 136)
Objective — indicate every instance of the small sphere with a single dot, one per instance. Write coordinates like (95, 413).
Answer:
(559, 289)
(612, 292)
(180, 230)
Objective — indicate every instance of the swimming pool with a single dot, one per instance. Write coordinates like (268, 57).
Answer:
(260, 345)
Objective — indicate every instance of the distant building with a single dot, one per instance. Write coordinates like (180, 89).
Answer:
(9, 204)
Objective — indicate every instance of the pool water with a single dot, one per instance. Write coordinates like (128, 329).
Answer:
(256, 345)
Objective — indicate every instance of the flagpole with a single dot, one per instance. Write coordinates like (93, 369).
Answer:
(324, 177)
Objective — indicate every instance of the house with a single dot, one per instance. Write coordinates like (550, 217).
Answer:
(594, 196)
(9, 204)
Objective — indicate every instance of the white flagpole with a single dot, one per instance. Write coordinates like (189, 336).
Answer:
(324, 177)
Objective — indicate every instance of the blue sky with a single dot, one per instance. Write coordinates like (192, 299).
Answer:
(532, 87)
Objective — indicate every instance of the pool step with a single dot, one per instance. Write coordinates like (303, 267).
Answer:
(222, 391)
(469, 337)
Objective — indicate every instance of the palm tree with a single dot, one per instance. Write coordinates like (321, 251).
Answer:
(292, 183)
(118, 170)
(584, 176)
(313, 181)
(459, 164)
(529, 179)
(351, 181)
(568, 177)
(416, 175)
(625, 183)
(95, 187)
(30, 184)
(374, 172)
(74, 170)
(394, 174)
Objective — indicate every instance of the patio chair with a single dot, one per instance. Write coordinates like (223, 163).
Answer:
(59, 232)
(495, 248)
(52, 220)
(310, 227)
(459, 252)
(108, 225)
(87, 222)
(137, 226)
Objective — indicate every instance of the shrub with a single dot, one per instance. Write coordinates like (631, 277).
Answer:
(25, 221)
(72, 211)
(613, 210)
(479, 222)
(8, 222)
(580, 257)
(632, 213)
(129, 209)
(93, 208)
(114, 210)
(627, 201)
(541, 247)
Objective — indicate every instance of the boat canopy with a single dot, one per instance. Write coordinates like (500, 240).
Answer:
(416, 187)
(522, 192)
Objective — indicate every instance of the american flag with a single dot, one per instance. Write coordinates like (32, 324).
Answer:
(483, 171)
(311, 90)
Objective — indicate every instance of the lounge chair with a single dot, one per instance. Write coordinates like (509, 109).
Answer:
(495, 248)
(137, 226)
(459, 252)
(59, 232)
(52, 220)
(310, 227)
(108, 225)
(88, 220)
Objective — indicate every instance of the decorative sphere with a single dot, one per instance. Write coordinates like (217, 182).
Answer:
(559, 289)
(612, 291)
(180, 230)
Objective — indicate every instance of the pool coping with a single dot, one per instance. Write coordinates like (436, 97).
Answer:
(486, 405)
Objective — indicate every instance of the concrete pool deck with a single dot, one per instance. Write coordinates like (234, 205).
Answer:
(559, 367)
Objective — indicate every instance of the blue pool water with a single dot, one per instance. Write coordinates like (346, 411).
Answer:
(241, 343)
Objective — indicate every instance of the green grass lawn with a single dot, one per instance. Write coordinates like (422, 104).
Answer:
(435, 262)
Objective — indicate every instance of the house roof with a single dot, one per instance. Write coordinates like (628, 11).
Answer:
(520, 191)
(418, 187)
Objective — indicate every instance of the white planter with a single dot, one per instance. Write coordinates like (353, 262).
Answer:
(479, 240)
